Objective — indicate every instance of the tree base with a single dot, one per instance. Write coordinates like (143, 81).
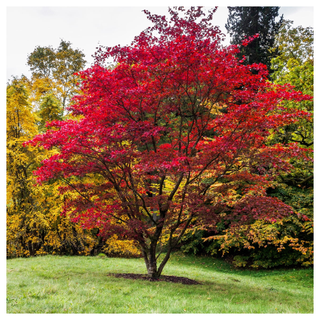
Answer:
(135, 276)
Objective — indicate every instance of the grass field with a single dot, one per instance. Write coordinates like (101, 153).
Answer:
(53, 284)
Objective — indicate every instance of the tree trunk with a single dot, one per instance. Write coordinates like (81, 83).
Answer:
(149, 255)
(152, 268)
(151, 261)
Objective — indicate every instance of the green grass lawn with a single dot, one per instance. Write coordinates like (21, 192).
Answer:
(54, 284)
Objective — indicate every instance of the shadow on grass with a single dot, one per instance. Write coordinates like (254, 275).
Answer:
(215, 264)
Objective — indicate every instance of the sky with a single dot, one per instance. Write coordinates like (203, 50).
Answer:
(29, 25)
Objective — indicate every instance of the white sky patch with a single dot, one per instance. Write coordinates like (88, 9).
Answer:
(88, 27)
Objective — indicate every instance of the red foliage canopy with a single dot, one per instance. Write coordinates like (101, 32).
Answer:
(173, 135)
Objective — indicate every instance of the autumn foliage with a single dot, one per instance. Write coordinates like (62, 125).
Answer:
(35, 225)
(174, 136)
(34, 222)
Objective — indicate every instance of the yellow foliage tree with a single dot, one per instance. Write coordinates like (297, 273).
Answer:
(35, 225)
(54, 71)
(34, 222)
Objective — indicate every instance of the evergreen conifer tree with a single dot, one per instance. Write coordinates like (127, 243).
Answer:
(247, 21)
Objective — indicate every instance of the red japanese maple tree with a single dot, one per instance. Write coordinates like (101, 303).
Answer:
(172, 137)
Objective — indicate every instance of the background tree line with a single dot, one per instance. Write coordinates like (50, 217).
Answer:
(35, 224)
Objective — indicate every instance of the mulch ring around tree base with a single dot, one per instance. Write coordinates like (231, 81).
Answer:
(135, 276)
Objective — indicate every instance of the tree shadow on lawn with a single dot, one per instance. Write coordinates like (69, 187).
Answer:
(204, 288)
(207, 263)
(136, 276)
